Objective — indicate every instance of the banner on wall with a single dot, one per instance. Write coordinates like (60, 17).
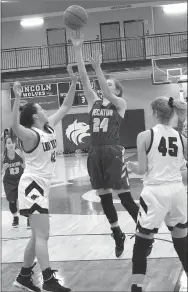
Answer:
(44, 94)
(37, 90)
(80, 98)
(76, 134)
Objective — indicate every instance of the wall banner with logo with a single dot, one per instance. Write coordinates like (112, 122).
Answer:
(76, 134)
(44, 94)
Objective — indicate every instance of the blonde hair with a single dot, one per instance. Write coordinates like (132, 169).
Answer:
(165, 108)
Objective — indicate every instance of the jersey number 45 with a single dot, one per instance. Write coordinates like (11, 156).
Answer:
(172, 147)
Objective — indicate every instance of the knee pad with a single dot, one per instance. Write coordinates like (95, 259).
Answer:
(13, 207)
(108, 208)
(142, 248)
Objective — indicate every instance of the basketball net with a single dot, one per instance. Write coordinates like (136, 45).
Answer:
(175, 80)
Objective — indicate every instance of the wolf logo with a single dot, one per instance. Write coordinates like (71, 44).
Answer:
(77, 131)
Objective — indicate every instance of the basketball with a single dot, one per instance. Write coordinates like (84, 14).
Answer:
(75, 17)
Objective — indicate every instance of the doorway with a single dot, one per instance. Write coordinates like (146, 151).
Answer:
(56, 40)
(110, 38)
(134, 39)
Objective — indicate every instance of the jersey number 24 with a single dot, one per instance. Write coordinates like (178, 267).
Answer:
(98, 124)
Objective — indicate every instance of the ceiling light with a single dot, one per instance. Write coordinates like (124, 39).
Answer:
(175, 8)
(31, 22)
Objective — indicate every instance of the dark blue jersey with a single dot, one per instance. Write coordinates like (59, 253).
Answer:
(104, 122)
(14, 170)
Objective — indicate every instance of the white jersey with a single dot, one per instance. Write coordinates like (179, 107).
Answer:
(41, 160)
(165, 156)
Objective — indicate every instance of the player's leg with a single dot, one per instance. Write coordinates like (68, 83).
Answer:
(38, 189)
(141, 249)
(111, 214)
(111, 176)
(176, 220)
(152, 212)
(96, 170)
(41, 226)
(179, 238)
(24, 279)
(122, 182)
(96, 165)
(14, 210)
(12, 198)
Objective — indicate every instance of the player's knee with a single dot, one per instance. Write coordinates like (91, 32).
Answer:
(141, 249)
(43, 234)
(40, 227)
(102, 192)
(106, 200)
(13, 207)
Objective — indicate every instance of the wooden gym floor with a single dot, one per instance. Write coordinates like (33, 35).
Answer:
(80, 245)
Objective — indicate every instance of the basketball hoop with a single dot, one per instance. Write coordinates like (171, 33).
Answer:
(173, 79)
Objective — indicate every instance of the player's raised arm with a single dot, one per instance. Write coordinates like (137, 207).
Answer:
(91, 96)
(119, 102)
(26, 135)
(68, 101)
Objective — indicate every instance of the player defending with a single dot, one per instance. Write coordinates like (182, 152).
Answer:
(161, 156)
(106, 163)
(36, 131)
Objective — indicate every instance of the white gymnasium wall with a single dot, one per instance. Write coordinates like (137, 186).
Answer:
(5, 107)
(165, 23)
(14, 36)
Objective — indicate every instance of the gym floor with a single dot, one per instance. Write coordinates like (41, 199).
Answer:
(81, 247)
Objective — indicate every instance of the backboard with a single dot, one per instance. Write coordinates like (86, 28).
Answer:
(169, 70)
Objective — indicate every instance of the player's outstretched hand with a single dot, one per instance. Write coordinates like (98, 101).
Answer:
(77, 38)
(17, 89)
(73, 76)
(96, 59)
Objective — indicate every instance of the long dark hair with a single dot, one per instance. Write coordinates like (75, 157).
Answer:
(13, 139)
(26, 114)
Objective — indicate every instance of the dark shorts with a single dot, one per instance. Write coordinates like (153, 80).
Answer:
(11, 191)
(107, 168)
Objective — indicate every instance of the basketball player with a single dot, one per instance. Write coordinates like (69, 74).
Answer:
(161, 154)
(13, 166)
(106, 163)
(36, 131)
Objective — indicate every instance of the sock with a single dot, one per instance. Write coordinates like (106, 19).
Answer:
(47, 274)
(136, 288)
(25, 272)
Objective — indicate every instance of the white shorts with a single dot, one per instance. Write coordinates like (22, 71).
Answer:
(162, 203)
(33, 195)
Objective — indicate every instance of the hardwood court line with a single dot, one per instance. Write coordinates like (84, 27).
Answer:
(84, 248)
(85, 234)
(95, 260)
